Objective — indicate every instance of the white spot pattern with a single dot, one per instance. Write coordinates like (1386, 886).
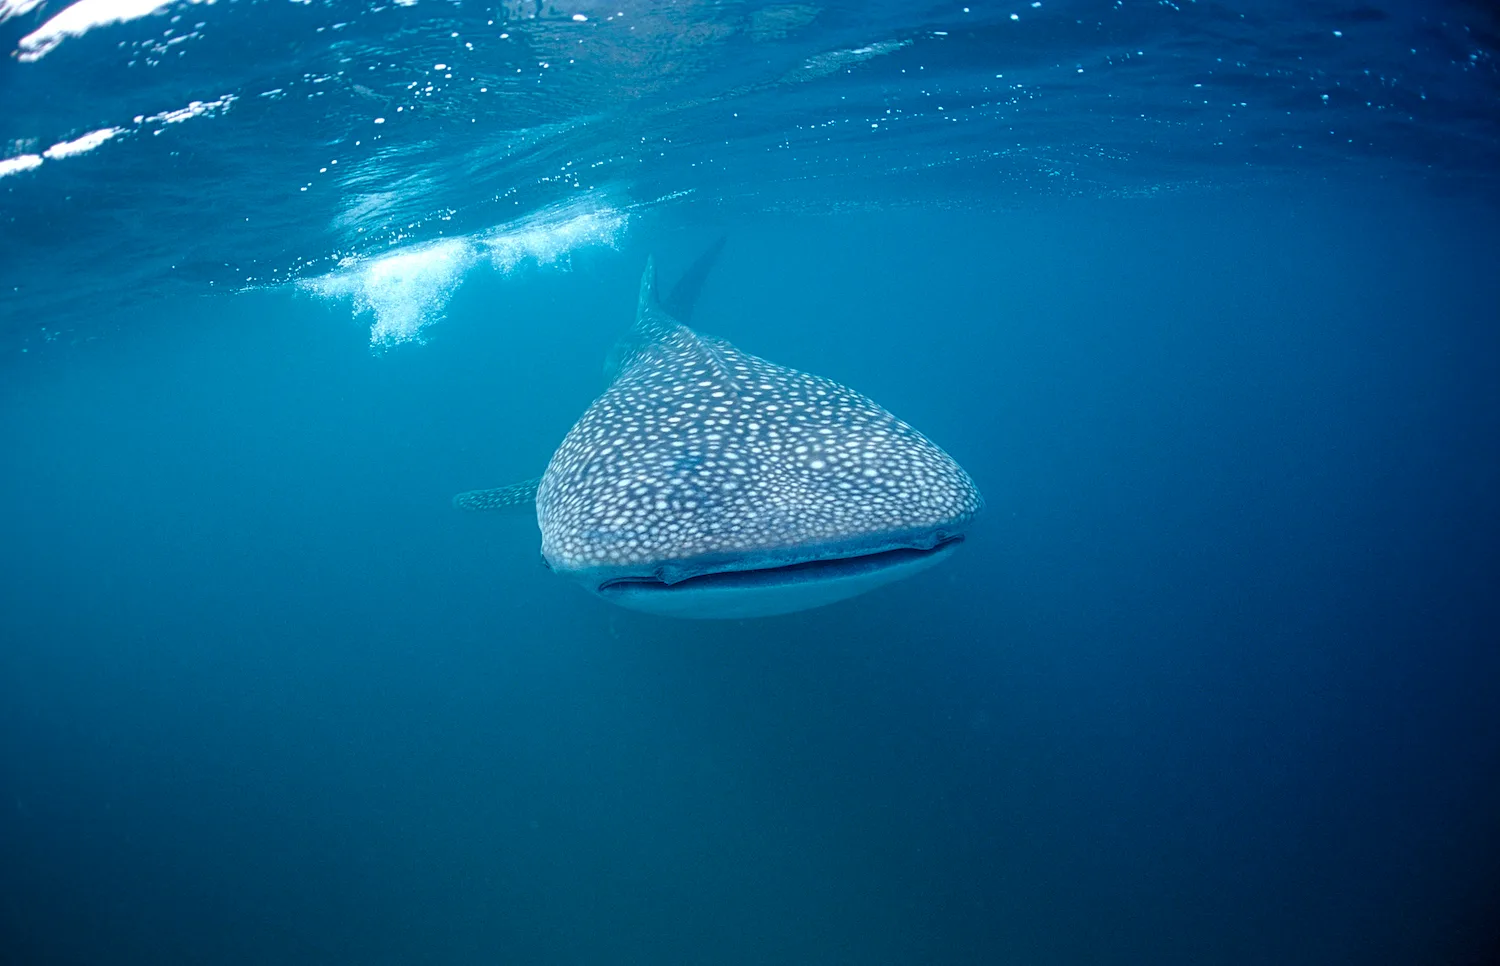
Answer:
(698, 450)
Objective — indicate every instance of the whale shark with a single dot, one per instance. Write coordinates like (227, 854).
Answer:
(706, 482)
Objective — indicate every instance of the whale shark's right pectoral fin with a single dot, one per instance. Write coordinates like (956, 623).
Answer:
(517, 496)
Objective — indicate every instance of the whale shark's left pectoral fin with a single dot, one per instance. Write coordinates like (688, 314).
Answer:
(516, 496)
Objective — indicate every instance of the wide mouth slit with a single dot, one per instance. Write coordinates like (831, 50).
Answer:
(810, 570)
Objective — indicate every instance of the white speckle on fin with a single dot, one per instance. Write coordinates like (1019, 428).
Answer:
(514, 496)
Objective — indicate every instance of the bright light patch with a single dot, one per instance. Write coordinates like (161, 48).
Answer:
(194, 109)
(79, 19)
(19, 163)
(550, 235)
(835, 60)
(81, 145)
(14, 8)
(406, 291)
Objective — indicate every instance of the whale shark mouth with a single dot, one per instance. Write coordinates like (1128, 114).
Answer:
(808, 572)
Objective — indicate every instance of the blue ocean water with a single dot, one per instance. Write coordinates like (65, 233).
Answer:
(1203, 295)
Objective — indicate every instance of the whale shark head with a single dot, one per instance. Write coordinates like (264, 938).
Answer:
(708, 482)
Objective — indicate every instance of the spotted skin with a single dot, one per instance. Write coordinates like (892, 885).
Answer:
(700, 458)
(500, 497)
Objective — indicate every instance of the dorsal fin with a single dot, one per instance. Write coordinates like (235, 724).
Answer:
(680, 301)
(652, 324)
(655, 321)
